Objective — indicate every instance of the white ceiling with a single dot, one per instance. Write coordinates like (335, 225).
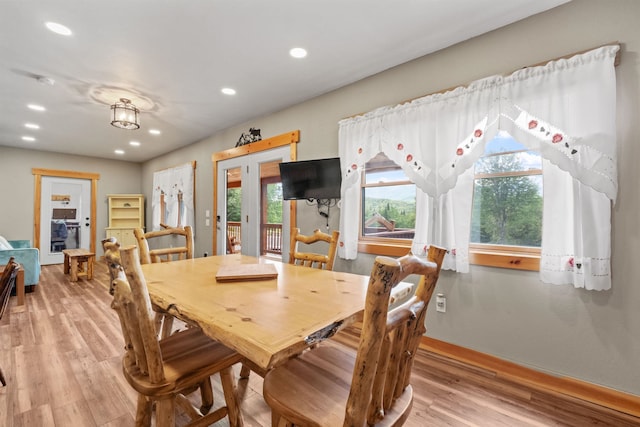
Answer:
(176, 55)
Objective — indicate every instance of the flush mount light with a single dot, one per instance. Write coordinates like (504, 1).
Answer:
(119, 152)
(58, 28)
(154, 132)
(31, 126)
(298, 52)
(36, 107)
(134, 143)
(228, 91)
(28, 138)
(124, 115)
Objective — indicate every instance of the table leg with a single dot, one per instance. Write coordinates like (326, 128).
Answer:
(74, 269)
(66, 264)
(90, 267)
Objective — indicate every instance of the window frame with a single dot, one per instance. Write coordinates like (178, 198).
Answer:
(505, 256)
(381, 245)
(489, 255)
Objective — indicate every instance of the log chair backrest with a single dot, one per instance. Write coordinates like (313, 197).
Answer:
(309, 259)
(389, 339)
(133, 305)
(111, 248)
(148, 256)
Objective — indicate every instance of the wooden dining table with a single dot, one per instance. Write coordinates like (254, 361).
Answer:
(266, 321)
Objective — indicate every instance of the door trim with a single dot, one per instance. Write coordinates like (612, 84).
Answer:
(38, 174)
(290, 138)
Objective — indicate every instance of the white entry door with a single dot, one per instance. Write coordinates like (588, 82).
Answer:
(65, 217)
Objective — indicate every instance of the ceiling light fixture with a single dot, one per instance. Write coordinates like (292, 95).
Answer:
(124, 115)
(28, 138)
(134, 143)
(298, 52)
(31, 126)
(228, 91)
(154, 132)
(36, 107)
(58, 28)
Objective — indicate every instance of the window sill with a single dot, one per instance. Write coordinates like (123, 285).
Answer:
(517, 258)
(394, 249)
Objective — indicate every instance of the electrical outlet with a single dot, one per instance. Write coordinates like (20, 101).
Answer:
(441, 303)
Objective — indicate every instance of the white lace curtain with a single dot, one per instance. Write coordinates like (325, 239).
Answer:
(564, 109)
(177, 186)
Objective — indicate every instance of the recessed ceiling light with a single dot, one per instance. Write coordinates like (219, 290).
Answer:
(119, 152)
(228, 91)
(154, 132)
(28, 138)
(58, 28)
(134, 143)
(36, 107)
(31, 126)
(298, 52)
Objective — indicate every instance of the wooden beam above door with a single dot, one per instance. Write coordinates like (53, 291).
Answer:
(254, 147)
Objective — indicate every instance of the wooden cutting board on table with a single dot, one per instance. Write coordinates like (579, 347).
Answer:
(242, 272)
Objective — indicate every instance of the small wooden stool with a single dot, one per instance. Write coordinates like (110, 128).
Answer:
(78, 263)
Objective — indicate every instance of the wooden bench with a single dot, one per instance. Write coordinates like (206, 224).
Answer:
(19, 283)
(78, 263)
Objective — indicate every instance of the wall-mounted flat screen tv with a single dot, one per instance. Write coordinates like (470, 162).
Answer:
(311, 179)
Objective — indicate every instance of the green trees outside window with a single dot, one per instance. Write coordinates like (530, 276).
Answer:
(388, 200)
(507, 198)
(273, 201)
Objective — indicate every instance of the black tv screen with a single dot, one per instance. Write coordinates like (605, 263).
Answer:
(311, 179)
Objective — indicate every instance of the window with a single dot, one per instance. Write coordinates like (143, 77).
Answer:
(506, 219)
(435, 140)
(388, 208)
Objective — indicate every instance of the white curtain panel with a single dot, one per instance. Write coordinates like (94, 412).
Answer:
(564, 109)
(171, 182)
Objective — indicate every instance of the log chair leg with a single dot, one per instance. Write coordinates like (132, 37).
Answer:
(2, 380)
(167, 325)
(143, 412)
(166, 412)
(245, 371)
(231, 398)
(275, 419)
(157, 321)
(206, 394)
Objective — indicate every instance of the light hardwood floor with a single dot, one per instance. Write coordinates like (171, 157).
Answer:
(61, 356)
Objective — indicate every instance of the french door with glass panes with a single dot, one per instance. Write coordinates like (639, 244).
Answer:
(247, 192)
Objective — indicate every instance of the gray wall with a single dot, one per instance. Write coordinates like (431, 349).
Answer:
(592, 336)
(16, 218)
